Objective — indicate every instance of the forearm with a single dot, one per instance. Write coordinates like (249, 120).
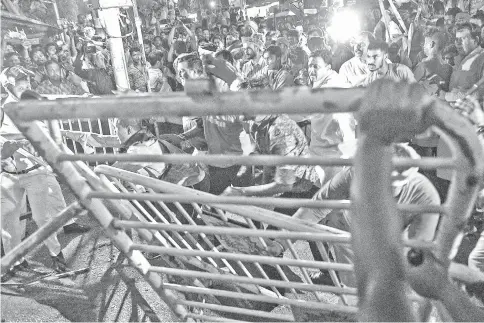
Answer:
(171, 36)
(265, 189)
(189, 32)
(170, 54)
(78, 65)
(73, 47)
(192, 133)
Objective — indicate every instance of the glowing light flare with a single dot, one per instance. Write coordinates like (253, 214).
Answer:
(212, 4)
(344, 26)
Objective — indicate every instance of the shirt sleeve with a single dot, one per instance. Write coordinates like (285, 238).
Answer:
(405, 74)
(419, 72)
(284, 79)
(343, 72)
(131, 79)
(338, 188)
(41, 89)
(420, 191)
(76, 89)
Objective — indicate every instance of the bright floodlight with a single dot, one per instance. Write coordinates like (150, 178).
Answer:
(344, 26)
(212, 4)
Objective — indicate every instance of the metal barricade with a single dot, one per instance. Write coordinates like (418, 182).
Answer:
(216, 260)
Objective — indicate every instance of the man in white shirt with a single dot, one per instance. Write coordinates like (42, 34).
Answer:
(355, 70)
(328, 131)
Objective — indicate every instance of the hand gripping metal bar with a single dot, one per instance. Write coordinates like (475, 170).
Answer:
(389, 113)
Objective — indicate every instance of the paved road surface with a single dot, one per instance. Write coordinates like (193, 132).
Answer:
(99, 295)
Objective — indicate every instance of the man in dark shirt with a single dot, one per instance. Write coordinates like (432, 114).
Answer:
(99, 81)
(137, 73)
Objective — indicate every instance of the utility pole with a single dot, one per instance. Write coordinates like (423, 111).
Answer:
(110, 19)
(137, 22)
(57, 18)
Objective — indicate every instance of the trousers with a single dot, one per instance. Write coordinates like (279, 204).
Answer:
(46, 201)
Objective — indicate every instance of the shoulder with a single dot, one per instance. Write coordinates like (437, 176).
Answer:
(69, 84)
(420, 68)
(404, 72)
(283, 73)
(44, 85)
(401, 68)
(283, 126)
(348, 64)
(419, 190)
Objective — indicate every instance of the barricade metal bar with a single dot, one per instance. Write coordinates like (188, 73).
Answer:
(179, 104)
(243, 257)
(40, 235)
(74, 144)
(209, 318)
(167, 235)
(264, 275)
(276, 283)
(174, 218)
(148, 218)
(237, 310)
(262, 160)
(254, 213)
(376, 227)
(334, 277)
(258, 266)
(190, 220)
(262, 298)
(123, 207)
(42, 143)
(259, 201)
(179, 237)
(304, 272)
(163, 219)
(333, 238)
(466, 179)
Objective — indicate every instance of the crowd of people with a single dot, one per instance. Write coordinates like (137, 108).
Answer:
(438, 48)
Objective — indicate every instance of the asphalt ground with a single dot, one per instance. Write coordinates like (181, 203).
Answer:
(109, 292)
